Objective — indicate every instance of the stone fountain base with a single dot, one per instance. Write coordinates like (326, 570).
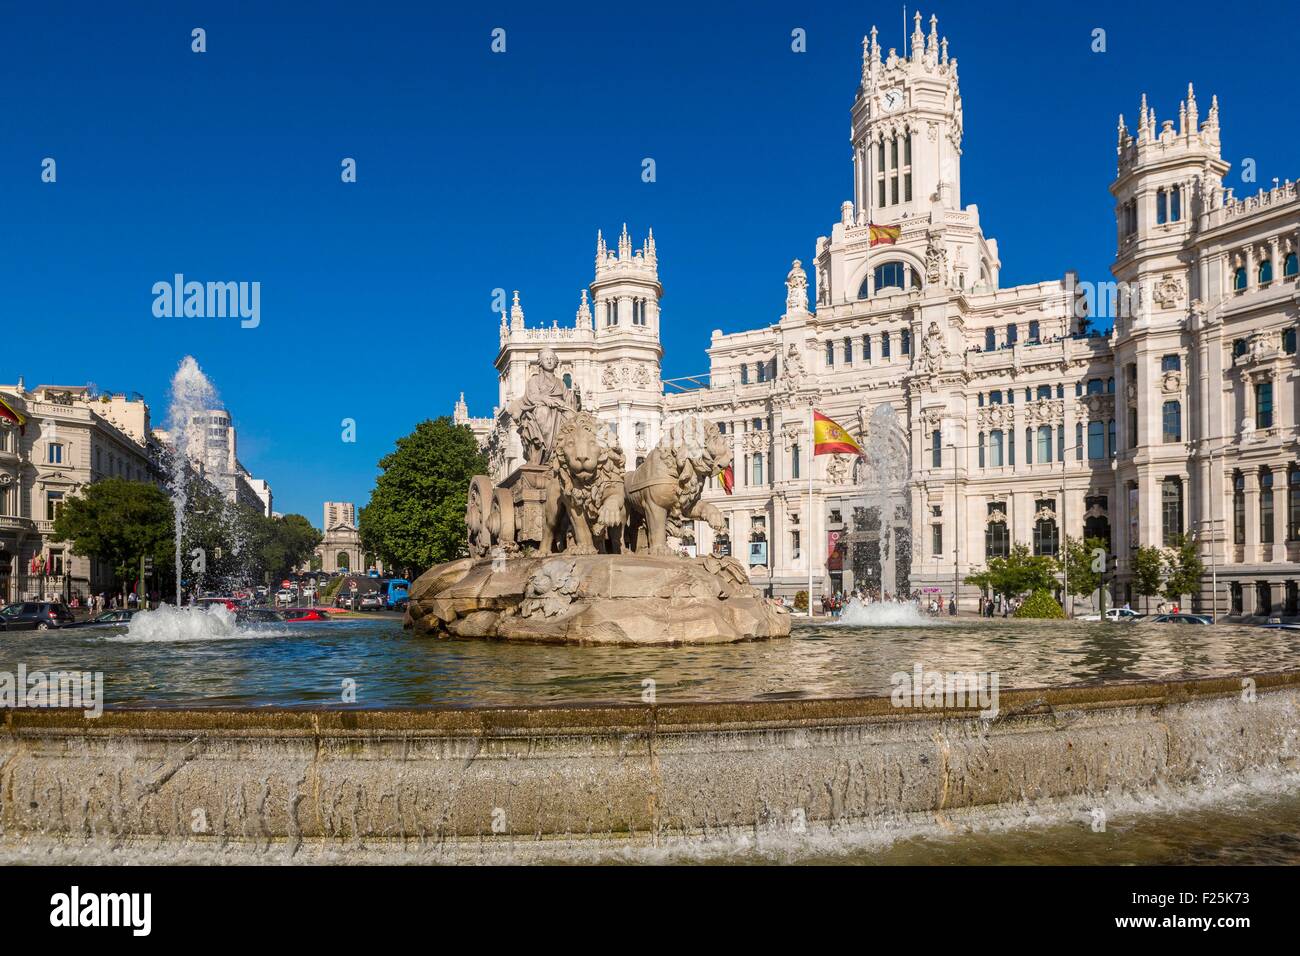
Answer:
(632, 599)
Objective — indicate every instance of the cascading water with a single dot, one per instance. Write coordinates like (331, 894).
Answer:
(192, 395)
(885, 523)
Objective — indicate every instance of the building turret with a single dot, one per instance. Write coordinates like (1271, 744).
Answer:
(626, 289)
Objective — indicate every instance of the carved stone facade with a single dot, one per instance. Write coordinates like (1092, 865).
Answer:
(1179, 418)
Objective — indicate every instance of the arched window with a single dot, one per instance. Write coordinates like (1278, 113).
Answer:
(895, 275)
(1290, 265)
(997, 540)
(1265, 272)
(1238, 508)
(1172, 419)
(1045, 444)
(1171, 511)
(1239, 279)
(936, 449)
(1265, 506)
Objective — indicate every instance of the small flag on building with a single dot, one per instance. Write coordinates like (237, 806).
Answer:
(727, 477)
(11, 414)
(830, 438)
(884, 235)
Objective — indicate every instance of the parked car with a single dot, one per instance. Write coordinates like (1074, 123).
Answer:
(296, 615)
(119, 615)
(284, 597)
(1113, 614)
(42, 615)
(1180, 619)
(230, 603)
(258, 615)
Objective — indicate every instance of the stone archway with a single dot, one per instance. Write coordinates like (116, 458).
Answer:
(343, 560)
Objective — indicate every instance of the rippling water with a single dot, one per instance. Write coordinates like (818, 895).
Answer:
(306, 664)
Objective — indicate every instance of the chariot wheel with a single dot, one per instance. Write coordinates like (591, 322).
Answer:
(478, 511)
(501, 523)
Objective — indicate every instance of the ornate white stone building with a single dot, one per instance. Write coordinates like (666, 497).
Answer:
(1016, 421)
(73, 436)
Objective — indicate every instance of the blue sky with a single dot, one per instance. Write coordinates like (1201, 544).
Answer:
(479, 170)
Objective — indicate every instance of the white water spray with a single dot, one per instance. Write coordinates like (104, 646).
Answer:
(192, 395)
(885, 614)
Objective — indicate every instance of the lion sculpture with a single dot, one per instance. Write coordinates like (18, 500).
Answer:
(584, 490)
(664, 492)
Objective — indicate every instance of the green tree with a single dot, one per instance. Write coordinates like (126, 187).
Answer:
(1040, 604)
(1185, 568)
(416, 514)
(1148, 570)
(119, 522)
(1021, 571)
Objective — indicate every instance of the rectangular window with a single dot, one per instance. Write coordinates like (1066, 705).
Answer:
(884, 345)
(936, 450)
(1060, 443)
(1078, 441)
(1238, 509)
(1033, 331)
(1013, 332)
(936, 539)
(1170, 363)
(1264, 405)
(848, 350)
(866, 348)
(1045, 444)
(794, 461)
(830, 353)
(1096, 440)
(1172, 419)
(1288, 340)
(906, 342)
(1265, 507)
(990, 340)
(55, 455)
(53, 503)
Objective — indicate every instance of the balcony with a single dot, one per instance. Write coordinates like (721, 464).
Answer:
(15, 524)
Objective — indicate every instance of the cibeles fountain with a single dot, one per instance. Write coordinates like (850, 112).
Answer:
(573, 548)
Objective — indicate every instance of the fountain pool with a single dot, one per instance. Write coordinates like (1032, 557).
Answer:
(200, 659)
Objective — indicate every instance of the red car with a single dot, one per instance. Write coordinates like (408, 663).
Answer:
(295, 615)
(230, 603)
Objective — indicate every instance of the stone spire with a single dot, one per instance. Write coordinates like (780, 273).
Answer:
(624, 244)
(648, 247)
(584, 312)
(601, 251)
(516, 313)
(1193, 115)
(918, 39)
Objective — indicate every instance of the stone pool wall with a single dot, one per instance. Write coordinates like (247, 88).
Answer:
(303, 784)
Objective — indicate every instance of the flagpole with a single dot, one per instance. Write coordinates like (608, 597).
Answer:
(809, 548)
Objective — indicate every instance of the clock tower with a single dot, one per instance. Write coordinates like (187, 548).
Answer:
(906, 129)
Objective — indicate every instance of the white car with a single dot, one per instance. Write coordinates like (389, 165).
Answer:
(309, 591)
(284, 596)
(1113, 614)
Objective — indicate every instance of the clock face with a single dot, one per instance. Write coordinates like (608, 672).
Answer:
(893, 99)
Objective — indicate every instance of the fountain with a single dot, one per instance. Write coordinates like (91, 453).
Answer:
(571, 548)
(192, 395)
(882, 537)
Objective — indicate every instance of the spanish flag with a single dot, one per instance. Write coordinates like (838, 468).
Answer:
(11, 414)
(884, 235)
(830, 438)
(727, 477)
